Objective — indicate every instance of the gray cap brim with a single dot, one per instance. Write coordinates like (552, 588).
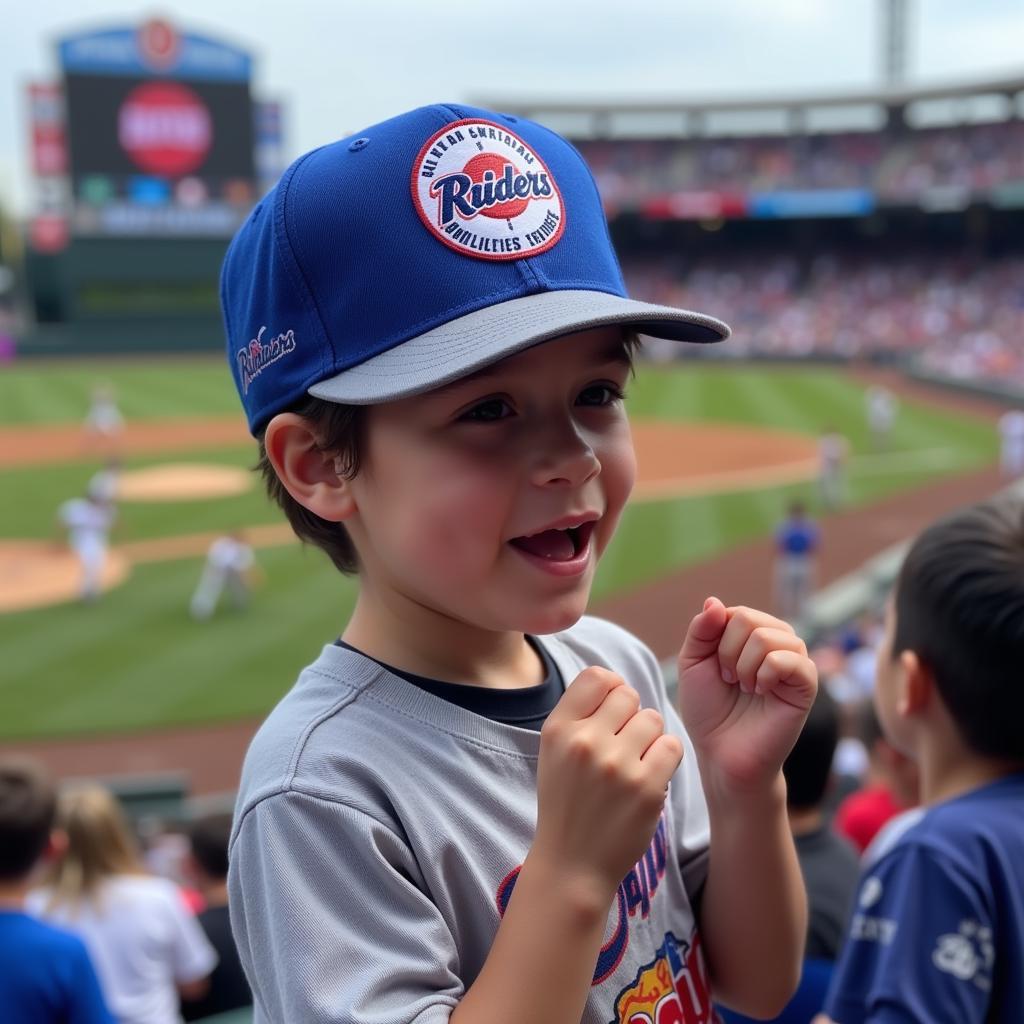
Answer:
(472, 341)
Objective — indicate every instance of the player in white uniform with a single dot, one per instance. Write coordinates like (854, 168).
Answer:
(833, 449)
(229, 563)
(1011, 452)
(104, 422)
(88, 522)
(882, 406)
(104, 483)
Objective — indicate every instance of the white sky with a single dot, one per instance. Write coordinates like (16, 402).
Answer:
(340, 65)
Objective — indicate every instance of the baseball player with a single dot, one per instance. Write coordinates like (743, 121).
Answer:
(88, 522)
(882, 406)
(796, 542)
(833, 450)
(1011, 452)
(103, 484)
(104, 422)
(229, 563)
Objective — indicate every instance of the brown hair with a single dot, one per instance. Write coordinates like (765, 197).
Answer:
(27, 806)
(100, 844)
(340, 431)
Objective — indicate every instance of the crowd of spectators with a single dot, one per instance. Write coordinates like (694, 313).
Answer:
(89, 931)
(962, 318)
(899, 166)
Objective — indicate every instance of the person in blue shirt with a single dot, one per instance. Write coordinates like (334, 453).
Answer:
(46, 976)
(937, 932)
(796, 547)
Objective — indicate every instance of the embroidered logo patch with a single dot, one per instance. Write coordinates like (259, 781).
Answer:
(259, 354)
(481, 190)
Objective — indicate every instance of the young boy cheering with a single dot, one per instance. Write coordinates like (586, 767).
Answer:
(475, 806)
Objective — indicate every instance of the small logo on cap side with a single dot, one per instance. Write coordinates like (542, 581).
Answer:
(483, 191)
(258, 355)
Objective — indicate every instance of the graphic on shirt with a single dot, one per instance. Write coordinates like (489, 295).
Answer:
(967, 954)
(672, 989)
(483, 191)
(634, 896)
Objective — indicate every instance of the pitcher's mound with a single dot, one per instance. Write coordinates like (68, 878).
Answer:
(183, 481)
(35, 573)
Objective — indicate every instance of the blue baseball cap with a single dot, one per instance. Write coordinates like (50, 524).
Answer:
(419, 250)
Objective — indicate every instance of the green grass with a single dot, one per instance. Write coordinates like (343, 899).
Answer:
(138, 660)
(145, 389)
(135, 660)
(43, 488)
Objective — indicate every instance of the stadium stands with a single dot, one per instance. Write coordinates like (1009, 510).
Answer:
(963, 317)
(898, 167)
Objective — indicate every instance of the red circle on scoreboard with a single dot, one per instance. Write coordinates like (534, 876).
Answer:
(165, 128)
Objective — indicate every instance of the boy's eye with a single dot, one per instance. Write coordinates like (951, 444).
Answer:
(488, 411)
(601, 394)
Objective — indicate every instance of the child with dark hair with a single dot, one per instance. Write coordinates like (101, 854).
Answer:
(46, 976)
(938, 930)
(827, 861)
(207, 864)
(473, 806)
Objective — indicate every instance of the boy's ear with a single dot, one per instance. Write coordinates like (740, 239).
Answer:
(916, 685)
(309, 474)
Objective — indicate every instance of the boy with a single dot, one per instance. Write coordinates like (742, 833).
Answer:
(410, 844)
(938, 930)
(46, 976)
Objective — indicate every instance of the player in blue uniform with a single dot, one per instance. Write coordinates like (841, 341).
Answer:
(937, 933)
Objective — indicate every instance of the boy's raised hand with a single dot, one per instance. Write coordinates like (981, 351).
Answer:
(604, 769)
(746, 684)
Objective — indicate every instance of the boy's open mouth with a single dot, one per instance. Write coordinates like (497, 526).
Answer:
(557, 545)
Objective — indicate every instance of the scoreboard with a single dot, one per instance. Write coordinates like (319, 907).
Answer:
(160, 133)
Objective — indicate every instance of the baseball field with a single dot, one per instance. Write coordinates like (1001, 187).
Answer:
(721, 450)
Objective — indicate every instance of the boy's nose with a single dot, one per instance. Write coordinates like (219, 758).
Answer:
(565, 456)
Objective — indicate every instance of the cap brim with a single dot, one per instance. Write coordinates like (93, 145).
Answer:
(472, 341)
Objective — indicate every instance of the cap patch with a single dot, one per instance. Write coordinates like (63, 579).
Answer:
(482, 191)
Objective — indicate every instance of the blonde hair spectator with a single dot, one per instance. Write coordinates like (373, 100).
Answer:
(148, 948)
(99, 845)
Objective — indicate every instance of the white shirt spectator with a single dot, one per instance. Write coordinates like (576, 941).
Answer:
(142, 940)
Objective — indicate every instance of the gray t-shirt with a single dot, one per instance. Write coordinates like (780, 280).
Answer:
(379, 831)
